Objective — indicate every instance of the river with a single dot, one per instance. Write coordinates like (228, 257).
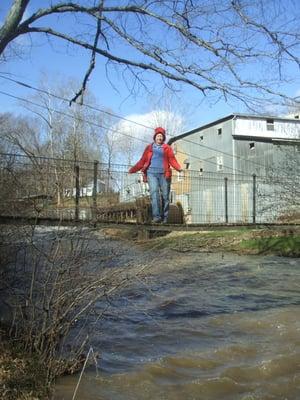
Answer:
(197, 326)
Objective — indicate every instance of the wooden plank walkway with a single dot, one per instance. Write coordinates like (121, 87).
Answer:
(147, 226)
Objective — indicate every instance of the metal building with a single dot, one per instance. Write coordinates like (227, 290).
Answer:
(233, 159)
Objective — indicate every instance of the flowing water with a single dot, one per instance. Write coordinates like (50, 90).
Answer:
(198, 326)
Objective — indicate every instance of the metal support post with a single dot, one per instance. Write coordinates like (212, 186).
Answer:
(95, 190)
(77, 195)
(254, 200)
(226, 199)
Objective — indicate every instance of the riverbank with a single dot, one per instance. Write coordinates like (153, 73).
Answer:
(280, 242)
(22, 377)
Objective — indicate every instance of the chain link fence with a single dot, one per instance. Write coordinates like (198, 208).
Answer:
(41, 187)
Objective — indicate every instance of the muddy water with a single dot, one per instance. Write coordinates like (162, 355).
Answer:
(198, 326)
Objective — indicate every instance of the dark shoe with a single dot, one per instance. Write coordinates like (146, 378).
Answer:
(156, 220)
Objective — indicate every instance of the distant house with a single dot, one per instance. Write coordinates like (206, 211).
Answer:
(86, 190)
(133, 187)
(235, 147)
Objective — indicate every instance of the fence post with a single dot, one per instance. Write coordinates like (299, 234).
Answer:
(77, 193)
(95, 186)
(226, 199)
(254, 199)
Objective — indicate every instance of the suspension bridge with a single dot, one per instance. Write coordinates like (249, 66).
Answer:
(43, 190)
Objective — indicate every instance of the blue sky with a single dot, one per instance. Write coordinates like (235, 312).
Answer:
(117, 97)
(54, 59)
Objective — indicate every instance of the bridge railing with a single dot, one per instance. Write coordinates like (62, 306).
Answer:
(83, 190)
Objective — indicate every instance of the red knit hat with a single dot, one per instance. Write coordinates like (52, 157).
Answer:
(161, 131)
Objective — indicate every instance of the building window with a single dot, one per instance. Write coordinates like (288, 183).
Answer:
(270, 124)
(251, 145)
(219, 163)
(180, 176)
(186, 163)
(201, 138)
(220, 131)
(201, 168)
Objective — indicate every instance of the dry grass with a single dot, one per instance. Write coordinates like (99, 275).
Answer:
(21, 378)
(284, 242)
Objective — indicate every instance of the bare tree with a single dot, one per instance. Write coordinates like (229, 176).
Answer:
(169, 113)
(71, 132)
(21, 177)
(20, 134)
(66, 133)
(52, 290)
(281, 200)
(236, 50)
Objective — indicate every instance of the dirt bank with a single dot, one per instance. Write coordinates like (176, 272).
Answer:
(282, 242)
(21, 377)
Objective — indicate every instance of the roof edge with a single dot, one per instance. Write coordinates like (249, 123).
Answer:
(200, 128)
(228, 117)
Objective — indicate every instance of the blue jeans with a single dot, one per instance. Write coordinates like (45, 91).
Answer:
(159, 188)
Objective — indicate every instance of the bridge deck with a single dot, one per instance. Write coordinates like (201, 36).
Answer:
(144, 226)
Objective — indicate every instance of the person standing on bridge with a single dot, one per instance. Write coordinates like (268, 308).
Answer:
(156, 163)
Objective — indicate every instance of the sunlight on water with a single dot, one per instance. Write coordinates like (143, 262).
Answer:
(200, 327)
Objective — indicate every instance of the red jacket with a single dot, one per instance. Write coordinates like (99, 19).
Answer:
(168, 160)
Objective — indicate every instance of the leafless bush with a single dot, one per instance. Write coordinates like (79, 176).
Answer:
(279, 193)
(50, 286)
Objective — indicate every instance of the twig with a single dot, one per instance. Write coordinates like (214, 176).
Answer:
(82, 371)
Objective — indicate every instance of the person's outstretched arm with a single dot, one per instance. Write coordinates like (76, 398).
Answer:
(140, 164)
(172, 160)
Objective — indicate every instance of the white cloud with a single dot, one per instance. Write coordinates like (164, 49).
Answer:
(141, 126)
(134, 133)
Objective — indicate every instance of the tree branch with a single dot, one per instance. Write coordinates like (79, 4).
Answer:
(208, 48)
(93, 58)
